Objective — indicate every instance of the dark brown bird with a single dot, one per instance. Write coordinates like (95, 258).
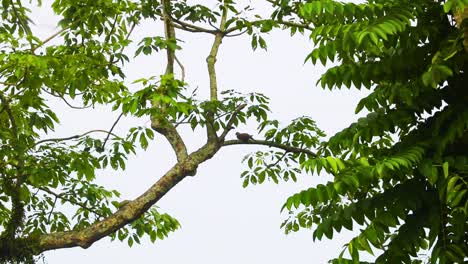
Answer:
(244, 137)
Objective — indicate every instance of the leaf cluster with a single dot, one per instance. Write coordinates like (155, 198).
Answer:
(399, 173)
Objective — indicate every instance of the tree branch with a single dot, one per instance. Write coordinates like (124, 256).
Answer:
(62, 197)
(277, 161)
(66, 102)
(159, 122)
(270, 144)
(111, 58)
(74, 137)
(110, 131)
(211, 61)
(231, 122)
(49, 39)
(182, 69)
(170, 34)
(130, 211)
(192, 28)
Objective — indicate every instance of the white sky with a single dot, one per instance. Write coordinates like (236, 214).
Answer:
(221, 221)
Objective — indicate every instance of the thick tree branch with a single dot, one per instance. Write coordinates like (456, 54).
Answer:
(270, 144)
(211, 61)
(169, 131)
(170, 35)
(159, 122)
(130, 211)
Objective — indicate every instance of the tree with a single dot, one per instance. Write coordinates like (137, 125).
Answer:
(401, 172)
(49, 197)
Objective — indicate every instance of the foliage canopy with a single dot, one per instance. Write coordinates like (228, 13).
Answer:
(401, 172)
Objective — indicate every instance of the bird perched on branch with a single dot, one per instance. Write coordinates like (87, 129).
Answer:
(244, 137)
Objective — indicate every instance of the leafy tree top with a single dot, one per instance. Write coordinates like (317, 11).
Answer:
(49, 198)
(401, 171)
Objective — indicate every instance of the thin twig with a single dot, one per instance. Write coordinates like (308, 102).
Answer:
(270, 144)
(106, 40)
(182, 69)
(75, 107)
(52, 209)
(111, 59)
(66, 102)
(62, 197)
(277, 161)
(231, 122)
(49, 38)
(236, 34)
(67, 93)
(74, 137)
(110, 131)
(182, 121)
(211, 24)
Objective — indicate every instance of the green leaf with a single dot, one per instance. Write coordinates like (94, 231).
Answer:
(130, 241)
(332, 163)
(447, 6)
(445, 167)
(457, 198)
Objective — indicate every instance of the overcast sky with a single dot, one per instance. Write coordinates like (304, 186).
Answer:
(221, 221)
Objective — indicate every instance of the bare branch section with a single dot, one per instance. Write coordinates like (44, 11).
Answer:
(160, 123)
(111, 129)
(191, 27)
(285, 147)
(211, 61)
(182, 69)
(6, 106)
(49, 38)
(170, 34)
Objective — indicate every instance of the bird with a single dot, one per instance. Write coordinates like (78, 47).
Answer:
(244, 137)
